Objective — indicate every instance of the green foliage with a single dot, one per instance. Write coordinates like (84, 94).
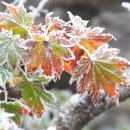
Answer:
(35, 96)
(11, 52)
(26, 19)
(12, 107)
(41, 79)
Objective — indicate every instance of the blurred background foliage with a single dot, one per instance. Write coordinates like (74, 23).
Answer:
(104, 13)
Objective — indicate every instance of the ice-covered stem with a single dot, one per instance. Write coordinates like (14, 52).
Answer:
(6, 94)
(74, 115)
(86, 51)
(36, 11)
(126, 5)
(16, 2)
(12, 93)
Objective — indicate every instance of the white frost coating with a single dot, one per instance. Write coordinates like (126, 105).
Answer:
(126, 5)
(77, 21)
(6, 123)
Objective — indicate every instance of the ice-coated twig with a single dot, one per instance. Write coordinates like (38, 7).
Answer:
(39, 9)
(126, 5)
(16, 2)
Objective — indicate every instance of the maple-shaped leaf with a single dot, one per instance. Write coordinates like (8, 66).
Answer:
(36, 97)
(51, 54)
(88, 38)
(11, 52)
(103, 71)
(49, 58)
(12, 107)
(17, 20)
(55, 23)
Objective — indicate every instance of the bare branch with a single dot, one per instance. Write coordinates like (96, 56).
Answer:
(74, 114)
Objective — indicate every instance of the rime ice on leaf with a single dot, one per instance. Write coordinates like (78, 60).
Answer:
(12, 107)
(95, 38)
(6, 122)
(78, 24)
(10, 50)
(17, 20)
(49, 58)
(88, 38)
(5, 76)
(52, 50)
(18, 15)
(103, 72)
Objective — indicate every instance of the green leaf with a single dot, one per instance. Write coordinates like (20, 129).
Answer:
(36, 97)
(5, 76)
(10, 50)
(25, 18)
(21, 31)
(41, 79)
(12, 107)
(58, 50)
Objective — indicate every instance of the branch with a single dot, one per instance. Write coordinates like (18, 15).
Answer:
(12, 93)
(39, 9)
(74, 114)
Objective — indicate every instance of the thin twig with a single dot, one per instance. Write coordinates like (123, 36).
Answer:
(36, 11)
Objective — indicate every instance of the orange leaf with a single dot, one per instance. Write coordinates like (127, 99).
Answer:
(95, 38)
(67, 67)
(92, 43)
(103, 72)
(39, 110)
(12, 9)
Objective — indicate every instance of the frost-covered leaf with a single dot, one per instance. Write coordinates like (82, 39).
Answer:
(104, 71)
(10, 50)
(17, 20)
(89, 38)
(36, 97)
(51, 51)
(78, 23)
(41, 79)
(95, 38)
(12, 107)
(18, 14)
(12, 9)
(50, 57)
(5, 76)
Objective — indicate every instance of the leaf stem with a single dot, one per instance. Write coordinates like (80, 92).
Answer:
(24, 73)
(88, 53)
